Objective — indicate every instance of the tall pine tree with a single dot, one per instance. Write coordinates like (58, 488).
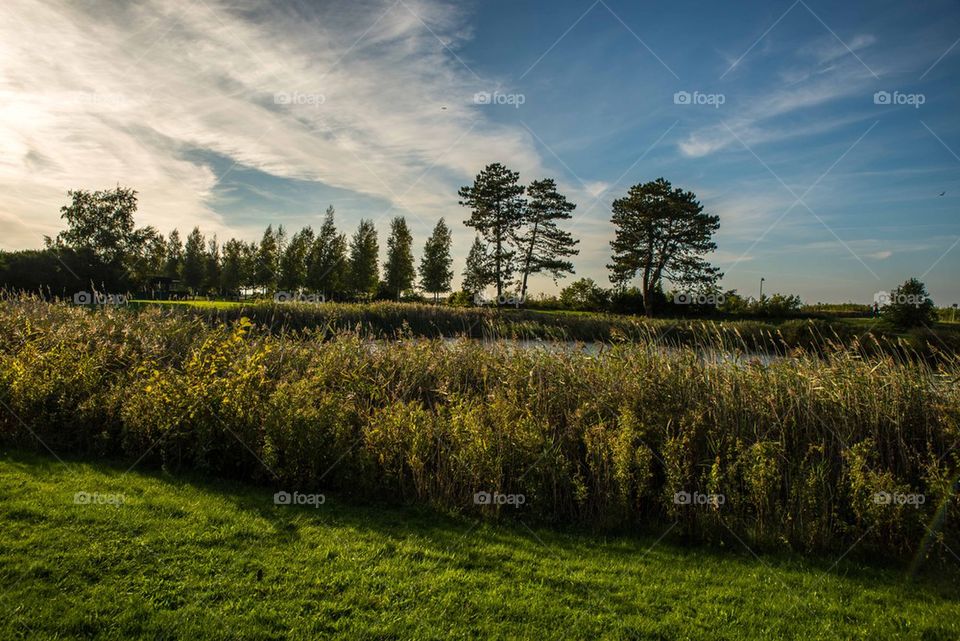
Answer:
(496, 211)
(544, 245)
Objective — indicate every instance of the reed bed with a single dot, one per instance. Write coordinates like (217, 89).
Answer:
(801, 452)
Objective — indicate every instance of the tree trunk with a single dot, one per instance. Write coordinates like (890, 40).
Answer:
(526, 264)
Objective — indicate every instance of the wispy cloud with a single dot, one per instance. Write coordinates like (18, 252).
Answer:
(379, 104)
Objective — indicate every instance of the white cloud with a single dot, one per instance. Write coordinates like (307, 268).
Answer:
(121, 93)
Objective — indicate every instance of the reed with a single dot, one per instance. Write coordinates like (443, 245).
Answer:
(803, 450)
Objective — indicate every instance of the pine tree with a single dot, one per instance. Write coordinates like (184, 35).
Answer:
(398, 270)
(544, 245)
(478, 273)
(436, 266)
(194, 261)
(662, 232)
(364, 263)
(496, 203)
(327, 265)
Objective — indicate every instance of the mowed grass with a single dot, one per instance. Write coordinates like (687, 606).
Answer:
(190, 559)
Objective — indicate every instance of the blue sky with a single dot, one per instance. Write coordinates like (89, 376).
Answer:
(820, 190)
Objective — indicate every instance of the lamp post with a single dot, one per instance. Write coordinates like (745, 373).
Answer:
(761, 287)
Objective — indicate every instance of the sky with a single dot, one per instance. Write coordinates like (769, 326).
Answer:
(823, 134)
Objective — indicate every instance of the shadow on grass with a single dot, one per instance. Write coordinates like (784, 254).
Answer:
(450, 533)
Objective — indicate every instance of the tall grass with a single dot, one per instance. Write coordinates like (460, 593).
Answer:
(799, 449)
(389, 319)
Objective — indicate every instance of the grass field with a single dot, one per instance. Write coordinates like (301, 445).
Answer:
(184, 558)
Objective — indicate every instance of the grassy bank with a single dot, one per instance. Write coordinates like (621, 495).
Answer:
(799, 450)
(188, 558)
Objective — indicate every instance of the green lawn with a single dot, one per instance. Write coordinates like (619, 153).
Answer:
(180, 559)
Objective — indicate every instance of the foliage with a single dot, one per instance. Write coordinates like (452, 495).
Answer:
(545, 247)
(364, 270)
(293, 262)
(910, 306)
(496, 211)
(436, 265)
(328, 267)
(602, 439)
(267, 260)
(194, 265)
(479, 271)
(584, 294)
(398, 270)
(662, 232)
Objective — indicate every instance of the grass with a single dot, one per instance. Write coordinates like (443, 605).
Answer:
(180, 559)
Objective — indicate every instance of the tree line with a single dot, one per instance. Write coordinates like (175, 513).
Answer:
(661, 232)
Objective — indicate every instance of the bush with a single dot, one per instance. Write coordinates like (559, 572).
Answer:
(910, 306)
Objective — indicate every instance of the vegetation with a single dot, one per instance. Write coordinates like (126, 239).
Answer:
(662, 232)
(399, 271)
(799, 448)
(363, 274)
(522, 235)
(910, 306)
(185, 557)
(436, 271)
(541, 320)
(544, 246)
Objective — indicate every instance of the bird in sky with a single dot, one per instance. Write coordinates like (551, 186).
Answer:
(942, 193)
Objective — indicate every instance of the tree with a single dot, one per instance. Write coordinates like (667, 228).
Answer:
(233, 273)
(212, 267)
(100, 226)
(293, 262)
(364, 264)
(496, 209)
(267, 261)
(327, 265)
(152, 257)
(584, 294)
(101, 221)
(398, 270)
(436, 266)
(909, 306)
(194, 261)
(662, 232)
(545, 245)
(174, 256)
(478, 272)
